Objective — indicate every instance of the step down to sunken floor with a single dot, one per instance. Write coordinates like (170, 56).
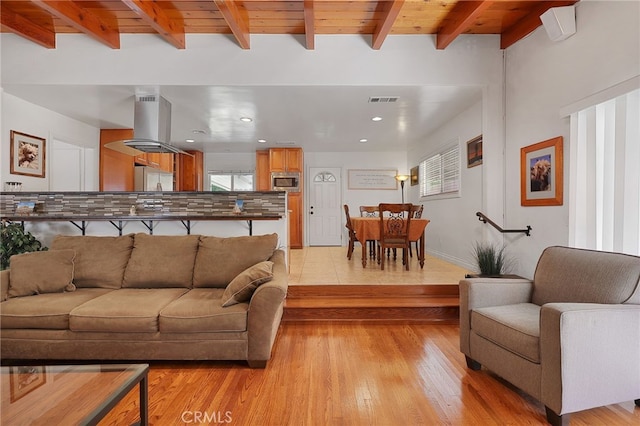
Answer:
(416, 303)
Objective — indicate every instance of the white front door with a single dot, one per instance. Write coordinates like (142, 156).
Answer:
(324, 214)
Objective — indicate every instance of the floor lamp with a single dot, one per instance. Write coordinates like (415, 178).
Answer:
(402, 179)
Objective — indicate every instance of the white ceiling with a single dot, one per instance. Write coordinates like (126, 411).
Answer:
(316, 118)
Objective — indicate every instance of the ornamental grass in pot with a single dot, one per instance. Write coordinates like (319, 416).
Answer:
(490, 259)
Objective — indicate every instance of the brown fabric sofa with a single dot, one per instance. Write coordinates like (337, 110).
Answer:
(570, 338)
(145, 297)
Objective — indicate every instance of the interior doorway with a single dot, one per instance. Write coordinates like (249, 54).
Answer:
(324, 212)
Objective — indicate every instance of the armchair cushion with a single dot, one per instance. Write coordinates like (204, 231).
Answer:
(513, 327)
(568, 274)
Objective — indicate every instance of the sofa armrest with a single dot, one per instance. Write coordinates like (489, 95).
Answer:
(4, 284)
(265, 312)
(589, 355)
(483, 292)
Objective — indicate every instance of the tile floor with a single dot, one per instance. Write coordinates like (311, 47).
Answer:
(329, 265)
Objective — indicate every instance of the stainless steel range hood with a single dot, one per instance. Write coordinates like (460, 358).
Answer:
(151, 128)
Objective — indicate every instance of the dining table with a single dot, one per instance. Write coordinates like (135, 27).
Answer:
(368, 228)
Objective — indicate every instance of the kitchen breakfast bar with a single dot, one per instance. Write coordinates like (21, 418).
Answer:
(124, 209)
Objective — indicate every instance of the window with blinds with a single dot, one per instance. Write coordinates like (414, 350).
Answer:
(440, 173)
(604, 209)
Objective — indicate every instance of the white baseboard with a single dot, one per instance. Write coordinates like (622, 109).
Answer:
(452, 259)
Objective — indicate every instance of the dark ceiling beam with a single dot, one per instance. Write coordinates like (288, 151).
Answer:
(525, 26)
(309, 24)
(172, 30)
(391, 11)
(237, 23)
(82, 20)
(21, 26)
(465, 13)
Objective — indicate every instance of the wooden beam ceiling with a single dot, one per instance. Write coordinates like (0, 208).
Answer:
(309, 24)
(19, 25)
(238, 23)
(82, 20)
(104, 20)
(392, 9)
(172, 30)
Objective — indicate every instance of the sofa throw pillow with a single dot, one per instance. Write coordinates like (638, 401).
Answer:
(161, 261)
(41, 272)
(100, 261)
(241, 288)
(220, 260)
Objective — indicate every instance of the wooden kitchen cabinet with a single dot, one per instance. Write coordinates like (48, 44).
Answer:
(295, 220)
(286, 160)
(189, 171)
(263, 172)
(116, 168)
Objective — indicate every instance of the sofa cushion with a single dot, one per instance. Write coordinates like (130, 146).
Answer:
(566, 274)
(161, 261)
(513, 327)
(125, 310)
(41, 272)
(45, 311)
(100, 261)
(220, 260)
(200, 311)
(241, 288)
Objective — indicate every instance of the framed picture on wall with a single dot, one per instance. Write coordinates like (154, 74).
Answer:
(414, 175)
(474, 152)
(541, 173)
(27, 154)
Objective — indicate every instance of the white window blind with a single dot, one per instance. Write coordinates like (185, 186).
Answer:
(605, 177)
(440, 173)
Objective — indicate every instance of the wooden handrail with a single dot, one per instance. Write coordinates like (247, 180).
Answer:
(483, 218)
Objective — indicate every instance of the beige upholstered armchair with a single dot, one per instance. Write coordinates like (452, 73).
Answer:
(570, 338)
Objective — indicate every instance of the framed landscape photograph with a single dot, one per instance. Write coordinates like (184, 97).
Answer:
(541, 173)
(27, 154)
(474, 152)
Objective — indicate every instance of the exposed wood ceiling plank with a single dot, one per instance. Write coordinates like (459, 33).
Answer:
(172, 30)
(82, 20)
(309, 24)
(391, 11)
(529, 23)
(21, 26)
(464, 14)
(237, 23)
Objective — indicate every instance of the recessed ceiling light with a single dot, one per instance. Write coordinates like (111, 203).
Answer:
(190, 140)
(262, 141)
(199, 132)
(363, 140)
(376, 118)
(246, 119)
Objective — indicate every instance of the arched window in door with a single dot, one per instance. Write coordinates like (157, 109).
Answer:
(324, 177)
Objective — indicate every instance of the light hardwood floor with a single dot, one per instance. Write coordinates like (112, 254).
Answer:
(348, 373)
(329, 265)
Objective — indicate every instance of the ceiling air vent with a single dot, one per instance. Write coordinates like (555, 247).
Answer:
(382, 99)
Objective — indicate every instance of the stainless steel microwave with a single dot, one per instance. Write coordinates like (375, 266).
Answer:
(285, 181)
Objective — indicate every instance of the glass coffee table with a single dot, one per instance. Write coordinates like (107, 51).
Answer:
(68, 394)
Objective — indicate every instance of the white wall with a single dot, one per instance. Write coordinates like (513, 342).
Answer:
(541, 78)
(26, 117)
(454, 226)
(282, 60)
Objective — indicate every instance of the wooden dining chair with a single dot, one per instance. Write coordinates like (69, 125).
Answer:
(352, 233)
(394, 230)
(417, 214)
(370, 211)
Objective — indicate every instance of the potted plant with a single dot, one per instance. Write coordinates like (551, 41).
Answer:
(14, 240)
(491, 260)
